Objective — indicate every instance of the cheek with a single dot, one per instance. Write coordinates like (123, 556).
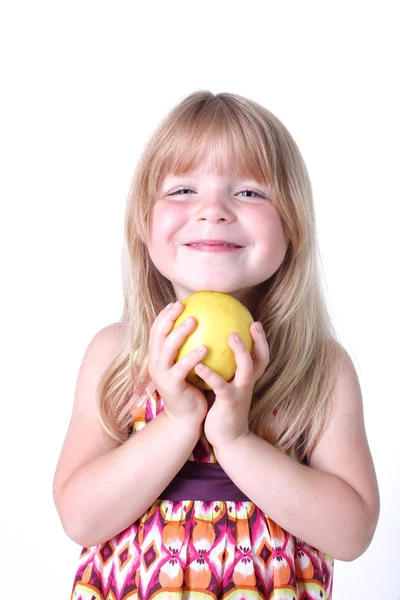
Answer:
(269, 226)
(280, 235)
(165, 220)
(164, 223)
(272, 238)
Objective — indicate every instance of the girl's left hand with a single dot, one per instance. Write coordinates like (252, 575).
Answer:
(228, 418)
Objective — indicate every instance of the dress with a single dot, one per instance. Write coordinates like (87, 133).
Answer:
(198, 550)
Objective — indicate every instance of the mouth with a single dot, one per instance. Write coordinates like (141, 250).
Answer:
(213, 246)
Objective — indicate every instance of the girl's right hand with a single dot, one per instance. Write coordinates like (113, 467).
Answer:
(181, 399)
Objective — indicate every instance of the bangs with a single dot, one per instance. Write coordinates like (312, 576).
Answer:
(222, 141)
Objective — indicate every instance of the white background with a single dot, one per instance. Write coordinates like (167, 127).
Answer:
(83, 86)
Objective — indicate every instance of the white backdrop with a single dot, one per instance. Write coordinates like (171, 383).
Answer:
(84, 85)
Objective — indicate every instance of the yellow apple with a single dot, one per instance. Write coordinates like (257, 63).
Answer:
(217, 315)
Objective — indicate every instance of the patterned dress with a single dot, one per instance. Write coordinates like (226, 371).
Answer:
(195, 549)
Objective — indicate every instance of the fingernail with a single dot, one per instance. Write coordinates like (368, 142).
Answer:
(169, 305)
(177, 303)
(189, 321)
(201, 349)
(260, 327)
(236, 338)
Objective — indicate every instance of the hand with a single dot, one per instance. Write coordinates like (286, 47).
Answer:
(181, 399)
(228, 418)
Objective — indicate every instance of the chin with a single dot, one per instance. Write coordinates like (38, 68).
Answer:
(215, 287)
(211, 286)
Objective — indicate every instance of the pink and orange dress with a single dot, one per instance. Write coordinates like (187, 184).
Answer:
(202, 539)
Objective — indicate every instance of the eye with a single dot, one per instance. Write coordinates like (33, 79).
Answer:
(184, 191)
(252, 194)
(248, 192)
(180, 192)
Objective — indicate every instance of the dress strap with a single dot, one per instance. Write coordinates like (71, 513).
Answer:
(202, 481)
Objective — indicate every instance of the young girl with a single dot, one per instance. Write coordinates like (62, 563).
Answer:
(252, 489)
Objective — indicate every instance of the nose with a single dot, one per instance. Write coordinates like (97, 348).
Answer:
(214, 209)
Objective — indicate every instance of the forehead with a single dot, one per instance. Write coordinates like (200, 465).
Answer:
(218, 147)
(209, 171)
(213, 165)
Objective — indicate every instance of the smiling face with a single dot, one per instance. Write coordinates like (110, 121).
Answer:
(215, 232)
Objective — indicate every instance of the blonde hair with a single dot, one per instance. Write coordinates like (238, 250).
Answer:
(291, 399)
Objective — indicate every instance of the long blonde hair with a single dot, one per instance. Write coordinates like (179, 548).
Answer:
(290, 402)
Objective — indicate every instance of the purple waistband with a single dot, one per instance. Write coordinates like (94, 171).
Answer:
(202, 481)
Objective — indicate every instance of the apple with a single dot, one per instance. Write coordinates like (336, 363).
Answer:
(217, 315)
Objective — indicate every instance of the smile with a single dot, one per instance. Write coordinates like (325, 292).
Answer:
(213, 246)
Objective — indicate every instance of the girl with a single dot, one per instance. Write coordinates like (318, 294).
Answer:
(252, 489)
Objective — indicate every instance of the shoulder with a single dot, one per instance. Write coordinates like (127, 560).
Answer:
(110, 338)
(102, 349)
(342, 448)
(104, 346)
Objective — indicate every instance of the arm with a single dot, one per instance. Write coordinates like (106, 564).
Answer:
(100, 488)
(333, 504)
(110, 492)
(318, 507)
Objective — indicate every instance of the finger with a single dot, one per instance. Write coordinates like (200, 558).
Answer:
(185, 364)
(244, 363)
(163, 324)
(260, 351)
(174, 341)
(219, 385)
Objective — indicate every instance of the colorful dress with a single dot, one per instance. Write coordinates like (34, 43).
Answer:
(194, 549)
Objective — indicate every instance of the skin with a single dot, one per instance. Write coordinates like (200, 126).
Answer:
(338, 488)
(201, 205)
(89, 461)
(184, 401)
(332, 504)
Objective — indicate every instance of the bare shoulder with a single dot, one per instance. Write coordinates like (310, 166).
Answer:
(85, 439)
(343, 448)
(109, 339)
